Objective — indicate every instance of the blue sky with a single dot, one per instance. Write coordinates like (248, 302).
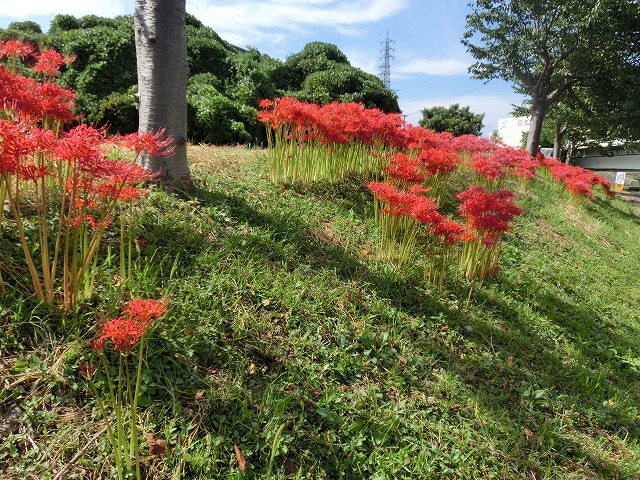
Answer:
(429, 66)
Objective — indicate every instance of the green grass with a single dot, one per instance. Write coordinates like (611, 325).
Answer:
(286, 338)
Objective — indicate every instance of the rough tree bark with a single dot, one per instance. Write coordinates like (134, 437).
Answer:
(161, 51)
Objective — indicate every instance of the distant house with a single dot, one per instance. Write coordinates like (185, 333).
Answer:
(511, 129)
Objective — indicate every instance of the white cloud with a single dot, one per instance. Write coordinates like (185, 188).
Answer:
(22, 10)
(362, 59)
(251, 21)
(432, 67)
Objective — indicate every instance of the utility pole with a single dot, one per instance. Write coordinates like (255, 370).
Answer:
(385, 65)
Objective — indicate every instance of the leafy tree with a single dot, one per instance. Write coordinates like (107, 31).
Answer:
(253, 77)
(314, 57)
(26, 31)
(27, 26)
(545, 48)
(215, 118)
(455, 119)
(321, 73)
(62, 23)
(161, 53)
(371, 92)
(105, 58)
(207, 52)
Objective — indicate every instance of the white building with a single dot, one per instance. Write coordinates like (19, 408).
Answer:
(511, 130)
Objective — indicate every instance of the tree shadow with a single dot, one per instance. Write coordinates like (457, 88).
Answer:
(497, 383)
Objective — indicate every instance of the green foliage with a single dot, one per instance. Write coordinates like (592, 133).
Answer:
(61, 23)
(454, 119)
(119, 111)
(321, 73)
(253, 77)
(207, 52)
(26, 31)
(104, 73)
(373, 94)
(324, 86)
(314, 57)
(27, 26)
(105, 59)
(213, 117)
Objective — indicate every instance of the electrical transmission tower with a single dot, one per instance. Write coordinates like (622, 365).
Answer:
(385, 66)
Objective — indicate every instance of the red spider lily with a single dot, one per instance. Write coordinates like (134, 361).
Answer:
(526, 167)
(15, 145)
(425, 211)
(451, 232)
(32, 172)
(122, 332)
(24, 96)
(418, 189)
(398, 203)
(55, 102)
(13, 48)
(83, 146)
(500, 162)
(438, 160)
(577, 180)
(488, 212)
(145, 311)
(489, 166)
(404, 168)
(127, 330)
(91, 221)
(417, 138)
(49, 62)
(157, 144)
(472, 144)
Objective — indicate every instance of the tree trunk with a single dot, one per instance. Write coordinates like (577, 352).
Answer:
(561, 129)
(161, 52)
(538, 110)
(570, 151)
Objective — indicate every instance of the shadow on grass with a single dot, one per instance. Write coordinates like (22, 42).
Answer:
(533, 360)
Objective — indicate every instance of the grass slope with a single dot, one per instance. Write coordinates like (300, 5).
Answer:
(287, 341)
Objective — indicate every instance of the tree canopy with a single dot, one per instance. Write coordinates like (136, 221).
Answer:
(232, 80)
(547, 48)
(454, 119)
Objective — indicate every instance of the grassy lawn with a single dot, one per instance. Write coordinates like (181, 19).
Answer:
(289, 345)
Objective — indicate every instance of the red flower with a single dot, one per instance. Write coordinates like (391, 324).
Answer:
(13, 48)
(157, 144)
(438, 160)
(404, 168)
(125, 331)
(145, 311)
(49, 63)
(488, 212)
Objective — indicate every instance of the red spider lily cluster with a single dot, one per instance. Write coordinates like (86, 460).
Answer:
(125, 331)
(488, 214)
(309, 142)
(415, 163)
(73, 170)
(577, 180)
